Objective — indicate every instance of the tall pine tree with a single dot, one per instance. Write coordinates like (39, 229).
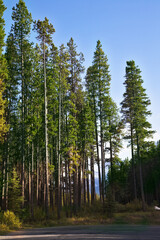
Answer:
(135, 113)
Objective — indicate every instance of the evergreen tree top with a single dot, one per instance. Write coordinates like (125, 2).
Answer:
(44, 30)
(22, 19)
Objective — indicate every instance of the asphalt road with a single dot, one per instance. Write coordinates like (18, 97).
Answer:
(109, 232)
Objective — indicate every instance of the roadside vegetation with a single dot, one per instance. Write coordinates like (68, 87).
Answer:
(130, 213)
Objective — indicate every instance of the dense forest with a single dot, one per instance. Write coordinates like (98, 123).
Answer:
(60, 135)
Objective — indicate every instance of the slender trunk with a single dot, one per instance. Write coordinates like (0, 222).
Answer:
(70, 189)
(29, 183)
(92, 176)
(103, 167)
(7, 175)
(23, 128)
(97, 147)
(79, 185)
(63, 200)
(102, 144)
(3, 184)
(51, 182)
(59, 148)
(133, 165)
(112, 172)
(66, 186)
(32, 182)
(37, 185)
(46, 192)
(84, 179)
(140, 174)
(75, 189)
(87, 179)
(111, 161)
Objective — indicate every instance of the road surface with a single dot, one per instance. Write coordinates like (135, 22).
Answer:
(109, 232)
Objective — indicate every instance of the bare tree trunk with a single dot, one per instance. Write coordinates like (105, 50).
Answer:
(51, 182)
(3, 184)
(70, 190)
(87, 179)
(23, 128)
(75, 189)
(66, 187)
(92, 176)
(63, 201)
(140, 174)
(102, 151)
(97, 148)
(7, 177)
(37, 185)
(46, 192)
(133, 165)
(29, 183)
(84, 179)
(59, 149)
(32, 182)
(79, 185)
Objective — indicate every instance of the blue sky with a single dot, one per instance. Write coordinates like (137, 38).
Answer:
(128, 30)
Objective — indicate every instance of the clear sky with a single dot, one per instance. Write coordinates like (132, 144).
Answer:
(127, 29)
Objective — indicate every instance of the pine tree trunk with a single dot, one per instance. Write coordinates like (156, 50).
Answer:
(133, 165)
(140, 174)
(32, 182)
(23, 128)
(92, 176)
(63, 200)
(3, 184)
(29, 183)
(66, 186)
(97, 148)
(79, 185)
(87, 180)
(51, 182)
(70, 189)
(46, 192)
(103, 168)
(102, 148)
(84, 179)
(7, 177)
(37, 184)
(59, 149)
(75, 189)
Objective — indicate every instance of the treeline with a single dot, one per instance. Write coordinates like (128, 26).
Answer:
(58, 131)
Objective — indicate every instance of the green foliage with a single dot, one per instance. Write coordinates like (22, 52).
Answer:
(134, 206)
(2, 23)
(44, 30)
(43, 100)
(3, 228)
(11, 220)
(109, 206)
(135, 104)
(22, 21)
(3, 76)
(39, 214)
(15, 198)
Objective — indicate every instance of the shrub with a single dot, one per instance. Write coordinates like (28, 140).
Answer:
(133, 206)
(39, 214)
(120, 207)
(15, 198)
(11, 220)
(109, 206)
(3, 228)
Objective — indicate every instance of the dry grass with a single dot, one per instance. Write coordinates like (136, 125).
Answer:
(139, 217)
